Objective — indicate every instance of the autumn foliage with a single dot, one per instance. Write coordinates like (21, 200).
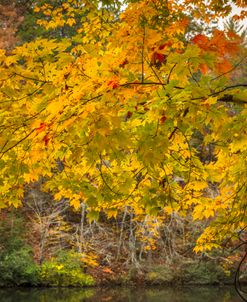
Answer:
(126, 105)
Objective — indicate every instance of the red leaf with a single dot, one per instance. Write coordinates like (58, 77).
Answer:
(46, 139)
(158, 58)
(123, 63)
(41, 127)
(129, 114)
(167, 44)
(113, 84)
(163, 119)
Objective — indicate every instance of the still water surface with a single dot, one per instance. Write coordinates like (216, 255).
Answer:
(118, 294)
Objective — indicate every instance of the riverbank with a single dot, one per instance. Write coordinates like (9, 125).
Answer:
(186, 273)
(190, 273)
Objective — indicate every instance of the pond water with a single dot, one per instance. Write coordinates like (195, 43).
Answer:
(119, 294)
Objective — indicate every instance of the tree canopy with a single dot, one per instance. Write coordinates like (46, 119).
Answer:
(128, 106)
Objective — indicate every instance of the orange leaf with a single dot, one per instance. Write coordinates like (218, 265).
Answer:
(201, 41)
(204, 68)
(107, 270)
(222, 45)
(123, 63)
(184, 22)
(223, 66)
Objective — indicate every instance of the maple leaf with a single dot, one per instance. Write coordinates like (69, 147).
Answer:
(46, 139)
(224, 66)
(107, 270)
(166, 135)
(157, 59)
(201, 41)
(163, 119)
(41, 127)
(123, 63)
(113, 84)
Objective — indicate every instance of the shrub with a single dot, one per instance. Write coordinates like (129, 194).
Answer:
(203, 273)
(160, 274)
(18, 268)
(16, 263)
(65, 270)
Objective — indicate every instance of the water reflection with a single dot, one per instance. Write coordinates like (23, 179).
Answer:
(118, 294)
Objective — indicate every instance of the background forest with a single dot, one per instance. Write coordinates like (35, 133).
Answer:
(76, 211)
